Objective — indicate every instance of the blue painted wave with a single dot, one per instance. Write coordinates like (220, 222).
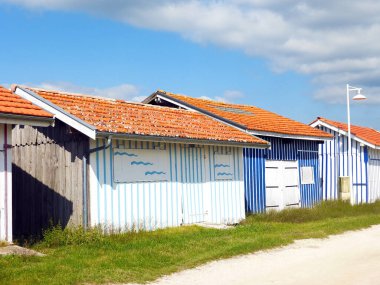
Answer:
(125, 153)
(224, 174)
(140, 163)
(154, 172)
(222, 165)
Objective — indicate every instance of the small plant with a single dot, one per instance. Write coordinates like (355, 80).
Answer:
(56, 236)
(323, 210)
(3, 243)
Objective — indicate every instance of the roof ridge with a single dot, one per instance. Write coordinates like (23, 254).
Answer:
(103, 98)
(67, 93)
(209, 100)
(97, 97)
(234, 104)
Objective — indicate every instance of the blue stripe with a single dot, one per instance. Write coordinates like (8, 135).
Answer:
(176, 179)
(105, 184)
(98, 184)
(171, 182)
(111, 184)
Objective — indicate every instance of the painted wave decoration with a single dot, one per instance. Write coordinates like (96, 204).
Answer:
(224, 174)
(154, 172)
(125, 153)
(141, 163)
(222, 165)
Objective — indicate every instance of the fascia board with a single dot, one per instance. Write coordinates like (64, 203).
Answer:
(58, 112)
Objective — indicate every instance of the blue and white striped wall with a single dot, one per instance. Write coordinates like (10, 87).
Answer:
(191, 192)
(365, 168)
(303, 151)
(373, 174)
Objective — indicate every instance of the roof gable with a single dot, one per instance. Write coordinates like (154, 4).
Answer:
(369, 135)
(118, 117)
(250, 118)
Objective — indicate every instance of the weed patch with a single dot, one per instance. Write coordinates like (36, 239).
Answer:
(75, 256)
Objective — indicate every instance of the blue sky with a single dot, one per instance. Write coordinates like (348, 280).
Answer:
(117, 52)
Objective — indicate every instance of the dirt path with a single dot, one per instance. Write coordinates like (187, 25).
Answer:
(350, 258)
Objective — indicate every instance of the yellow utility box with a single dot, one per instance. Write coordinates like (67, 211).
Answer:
(344, 188)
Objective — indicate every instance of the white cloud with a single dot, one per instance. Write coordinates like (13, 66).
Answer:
(332, 41)
(229, 96)
(127, 92)
(233, 94)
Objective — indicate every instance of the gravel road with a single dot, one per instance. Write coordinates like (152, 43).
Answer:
(349, 258)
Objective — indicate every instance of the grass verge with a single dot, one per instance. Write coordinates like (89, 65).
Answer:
(76, 257)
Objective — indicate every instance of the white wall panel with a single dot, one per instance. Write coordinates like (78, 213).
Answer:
(190, 192)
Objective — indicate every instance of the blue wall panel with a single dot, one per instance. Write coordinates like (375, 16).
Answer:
(304, 151)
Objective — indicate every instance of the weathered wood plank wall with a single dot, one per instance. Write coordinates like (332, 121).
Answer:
(48, 180)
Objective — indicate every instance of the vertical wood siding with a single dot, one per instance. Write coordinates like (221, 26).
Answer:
(334, 163)
(304, 151)
(5, 183)
(191, 194)
(48, 177)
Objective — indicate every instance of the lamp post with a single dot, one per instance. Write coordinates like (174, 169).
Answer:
(358, 96)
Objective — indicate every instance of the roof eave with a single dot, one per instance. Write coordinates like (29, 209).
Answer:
(344, 133)
(181, 140)
(37, 121)
(289, 136)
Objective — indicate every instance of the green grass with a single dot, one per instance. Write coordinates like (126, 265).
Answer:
(77, 257)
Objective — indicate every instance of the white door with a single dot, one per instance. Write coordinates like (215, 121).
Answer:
(281, 182)
(194, 205)
(374, 179)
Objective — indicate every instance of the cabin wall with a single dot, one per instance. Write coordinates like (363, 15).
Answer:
(303, 151)
(5, 183)
(48, 177)
(184, 189)
(373, 175)
(334, 163)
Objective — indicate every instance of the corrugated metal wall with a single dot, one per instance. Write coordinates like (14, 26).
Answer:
(5, 183)
(334, 163)
(191, 193)
(304, 151)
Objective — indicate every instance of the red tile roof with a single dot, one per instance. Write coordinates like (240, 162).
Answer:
(13, 104)
(250, 117)
(118, 116)
(369, 135)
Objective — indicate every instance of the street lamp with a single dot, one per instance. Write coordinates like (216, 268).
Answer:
(358, 96)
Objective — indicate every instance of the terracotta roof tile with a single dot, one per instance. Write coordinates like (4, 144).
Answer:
(250, 117)
(11, 103)
(369, 135)
(118, 116)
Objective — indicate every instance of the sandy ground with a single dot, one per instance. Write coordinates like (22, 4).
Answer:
(18, 250)
(350, 258)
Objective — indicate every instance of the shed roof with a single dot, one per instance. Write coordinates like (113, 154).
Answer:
(251, 118)
(113, 116)
(13, 104)
(369, 135)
